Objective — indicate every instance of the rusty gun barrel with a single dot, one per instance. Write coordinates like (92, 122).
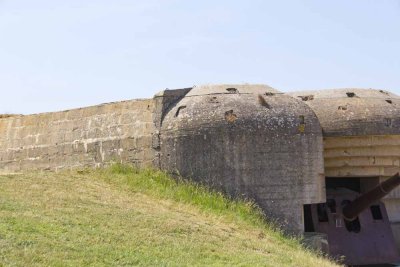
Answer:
(352, 210)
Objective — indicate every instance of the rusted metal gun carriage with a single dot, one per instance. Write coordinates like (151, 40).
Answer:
(357, 225)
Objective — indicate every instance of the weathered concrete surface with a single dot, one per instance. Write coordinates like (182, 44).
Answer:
(249, 141)
(354, 112)
(82, 137)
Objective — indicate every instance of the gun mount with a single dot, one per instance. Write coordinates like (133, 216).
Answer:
(357, 225)
(353, 209)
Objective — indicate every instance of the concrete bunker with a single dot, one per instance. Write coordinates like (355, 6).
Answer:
(250, 141)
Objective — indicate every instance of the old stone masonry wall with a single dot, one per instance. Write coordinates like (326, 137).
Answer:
(85, 137)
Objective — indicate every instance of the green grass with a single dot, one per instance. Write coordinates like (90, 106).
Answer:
(161, 185)
(121, 216)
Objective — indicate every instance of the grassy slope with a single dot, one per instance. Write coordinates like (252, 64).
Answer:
(122, 217)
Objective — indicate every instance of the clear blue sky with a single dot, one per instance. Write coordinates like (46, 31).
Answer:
(58, 54)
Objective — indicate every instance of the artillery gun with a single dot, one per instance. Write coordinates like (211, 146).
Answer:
(357, 225)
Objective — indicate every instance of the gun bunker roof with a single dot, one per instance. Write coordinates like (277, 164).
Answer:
(354, 112)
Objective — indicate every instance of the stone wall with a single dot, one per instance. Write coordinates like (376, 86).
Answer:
(85, 137)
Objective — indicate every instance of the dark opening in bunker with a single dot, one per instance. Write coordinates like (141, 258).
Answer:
(354, 225)
(179, 110)
(349, 183)
(322, 213)
(308, 221)
(331, 203)
(357, 184)
(376, 212)
(232, 90)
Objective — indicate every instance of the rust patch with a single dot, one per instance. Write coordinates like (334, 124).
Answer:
(230, 116)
